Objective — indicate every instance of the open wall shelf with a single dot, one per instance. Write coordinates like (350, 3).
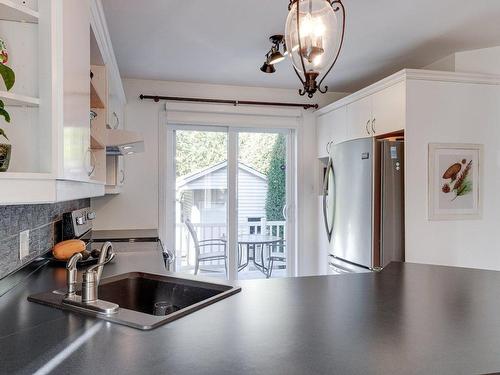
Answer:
(17, 100)
(11, 11)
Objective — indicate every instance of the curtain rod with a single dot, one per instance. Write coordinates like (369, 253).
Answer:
(157, 98)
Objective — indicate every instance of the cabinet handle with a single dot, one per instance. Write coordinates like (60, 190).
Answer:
(117, 122)
(366, 127)
(92, 165)
(122, 180)
(373, 125)
(329, 147)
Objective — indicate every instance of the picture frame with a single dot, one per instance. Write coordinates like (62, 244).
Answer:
(455, 181)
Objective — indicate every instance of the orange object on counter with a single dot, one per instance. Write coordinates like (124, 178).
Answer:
(65, 249)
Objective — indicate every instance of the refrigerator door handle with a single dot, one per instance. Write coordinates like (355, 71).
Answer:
(373, 125)
(326, 196)
(366, 127)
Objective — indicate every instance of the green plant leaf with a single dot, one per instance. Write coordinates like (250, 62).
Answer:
(8, 76)
(1, 104)
(5, 114)
(2, 134)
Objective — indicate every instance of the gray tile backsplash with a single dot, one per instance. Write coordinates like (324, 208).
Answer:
(44, 224)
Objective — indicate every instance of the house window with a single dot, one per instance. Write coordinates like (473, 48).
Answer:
(255, 229)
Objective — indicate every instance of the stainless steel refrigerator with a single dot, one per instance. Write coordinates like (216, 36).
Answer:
(363, 204)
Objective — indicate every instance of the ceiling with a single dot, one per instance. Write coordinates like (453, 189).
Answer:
(224, 41)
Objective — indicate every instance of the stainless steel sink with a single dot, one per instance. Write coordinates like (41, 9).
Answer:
(146, 301)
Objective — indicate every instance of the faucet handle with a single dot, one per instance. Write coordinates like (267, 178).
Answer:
(111, 256)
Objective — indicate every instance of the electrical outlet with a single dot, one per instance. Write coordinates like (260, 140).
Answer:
(24, 244)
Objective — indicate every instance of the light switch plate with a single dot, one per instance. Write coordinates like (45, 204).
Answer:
(24, 244)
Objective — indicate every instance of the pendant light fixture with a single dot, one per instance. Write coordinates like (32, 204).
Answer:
(314, 34)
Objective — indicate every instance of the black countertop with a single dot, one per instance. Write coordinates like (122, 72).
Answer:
(407, 319)
(125, 235)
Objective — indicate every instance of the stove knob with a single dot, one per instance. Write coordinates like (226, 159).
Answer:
(80, 220)
(91, 215)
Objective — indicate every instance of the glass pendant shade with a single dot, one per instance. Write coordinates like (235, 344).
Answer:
(314, 33)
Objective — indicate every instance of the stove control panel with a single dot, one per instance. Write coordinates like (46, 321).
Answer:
(77, 223)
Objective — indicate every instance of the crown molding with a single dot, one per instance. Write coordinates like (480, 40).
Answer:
(412, 74)
(100, 28)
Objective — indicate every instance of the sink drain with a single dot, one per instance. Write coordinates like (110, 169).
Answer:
(164, 308)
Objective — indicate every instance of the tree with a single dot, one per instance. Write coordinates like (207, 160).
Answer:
(276, 181)
(198, 150)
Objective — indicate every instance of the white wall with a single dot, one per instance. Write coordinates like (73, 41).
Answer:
(446, 63)
(137, 206)
(485, 60)
(452, 113)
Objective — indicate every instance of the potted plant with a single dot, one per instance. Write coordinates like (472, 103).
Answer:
(9, 78)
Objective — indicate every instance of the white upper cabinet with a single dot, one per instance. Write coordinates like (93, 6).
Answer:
(376, 114)
(331, 129)
(359, 118)
(388, 109)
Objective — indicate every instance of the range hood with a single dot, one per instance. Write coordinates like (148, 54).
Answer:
(123, 142)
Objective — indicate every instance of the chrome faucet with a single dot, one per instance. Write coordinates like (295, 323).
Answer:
(91, 278)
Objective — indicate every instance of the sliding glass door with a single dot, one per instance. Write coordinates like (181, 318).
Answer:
(232, 189)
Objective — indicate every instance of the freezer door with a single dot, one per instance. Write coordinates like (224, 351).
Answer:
(339, 267)
(352, 237)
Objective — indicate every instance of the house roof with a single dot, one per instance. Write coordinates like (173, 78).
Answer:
(184, 180)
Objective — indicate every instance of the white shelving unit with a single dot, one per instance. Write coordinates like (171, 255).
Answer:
(50, 128)
(11, 11)
(18, 100)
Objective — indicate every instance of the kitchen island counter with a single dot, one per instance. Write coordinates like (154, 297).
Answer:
(409, 318)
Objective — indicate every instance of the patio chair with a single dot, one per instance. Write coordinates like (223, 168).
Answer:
(207, 256)
(277, 253)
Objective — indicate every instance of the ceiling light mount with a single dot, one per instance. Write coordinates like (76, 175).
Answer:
(274, 55)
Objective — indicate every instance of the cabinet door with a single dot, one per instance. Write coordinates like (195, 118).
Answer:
(338, 119)
(359, 116)
(332, 127)
(115, 112)
(76, 98)
(388, 108)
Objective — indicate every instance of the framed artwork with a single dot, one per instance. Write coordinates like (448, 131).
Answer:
(455, 173)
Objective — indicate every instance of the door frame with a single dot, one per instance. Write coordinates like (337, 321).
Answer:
(204, 117)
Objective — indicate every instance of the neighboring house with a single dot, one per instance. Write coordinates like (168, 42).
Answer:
(203, 195)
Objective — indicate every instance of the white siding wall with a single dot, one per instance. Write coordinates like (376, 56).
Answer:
(252, 191)
(215, 180)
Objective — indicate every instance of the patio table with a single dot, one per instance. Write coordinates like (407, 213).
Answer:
(250, 242)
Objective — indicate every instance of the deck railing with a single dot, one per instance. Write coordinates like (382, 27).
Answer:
(185, 246)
